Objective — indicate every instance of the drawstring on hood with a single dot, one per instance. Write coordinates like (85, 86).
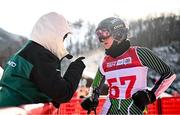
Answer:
(49, 32)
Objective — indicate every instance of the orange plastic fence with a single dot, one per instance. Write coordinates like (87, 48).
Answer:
(166, 105)
(170, 105)
(74, 107)
(153, 108)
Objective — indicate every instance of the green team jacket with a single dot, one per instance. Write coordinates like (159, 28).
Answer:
(32, 76)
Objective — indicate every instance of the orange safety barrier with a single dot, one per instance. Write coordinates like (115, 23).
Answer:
(170, 105)
(152, 108)
(74, 107)
(164, 106)
(46, 108)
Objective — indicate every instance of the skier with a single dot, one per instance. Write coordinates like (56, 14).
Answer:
(33, 74)
(124, 68)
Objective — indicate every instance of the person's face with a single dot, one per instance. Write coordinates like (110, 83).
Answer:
(105, 38)
(107, 42)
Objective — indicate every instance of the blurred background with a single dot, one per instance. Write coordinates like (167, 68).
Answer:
(152, 23)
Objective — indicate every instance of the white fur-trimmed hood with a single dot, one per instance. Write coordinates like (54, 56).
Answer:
(49, 31)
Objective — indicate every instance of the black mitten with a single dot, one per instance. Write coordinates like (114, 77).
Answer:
(78, 62)
(56, 104)
(143, 98)
(88, 104)
(91, 102)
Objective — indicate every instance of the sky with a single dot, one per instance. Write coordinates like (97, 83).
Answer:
(19, 16)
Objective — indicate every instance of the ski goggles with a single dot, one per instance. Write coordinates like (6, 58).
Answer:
(102, 34)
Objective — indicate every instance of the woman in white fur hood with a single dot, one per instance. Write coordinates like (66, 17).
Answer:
(33, 74)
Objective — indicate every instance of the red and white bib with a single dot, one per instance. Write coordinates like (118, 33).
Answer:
(124, 74)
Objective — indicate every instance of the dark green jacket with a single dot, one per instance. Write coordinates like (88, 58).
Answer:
(32, 76)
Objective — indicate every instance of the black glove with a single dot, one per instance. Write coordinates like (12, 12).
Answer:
(143, 98)
(91, 103)
(56, 104)
(79, 63)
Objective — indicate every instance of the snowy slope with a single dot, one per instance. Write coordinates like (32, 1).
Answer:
(93, 59)
(9, 44)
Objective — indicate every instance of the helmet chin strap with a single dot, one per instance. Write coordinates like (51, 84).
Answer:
(119, 40)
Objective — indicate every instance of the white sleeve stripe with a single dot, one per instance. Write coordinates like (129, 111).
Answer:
(164, 85)
(101, 67)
